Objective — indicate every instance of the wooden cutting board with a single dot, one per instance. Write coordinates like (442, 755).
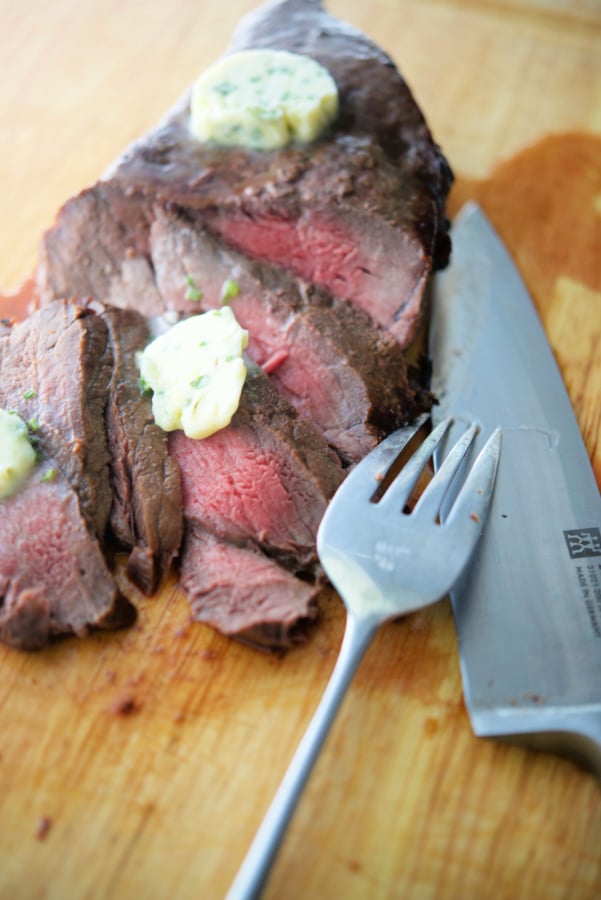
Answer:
(139, 764)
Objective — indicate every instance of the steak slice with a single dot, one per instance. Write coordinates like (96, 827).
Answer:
(146, 512)
(98, 247)
(359, 212)
(335, 243)
(242, 592)
(53, 577)
(265, 479)
(348, 378)
(56, 369)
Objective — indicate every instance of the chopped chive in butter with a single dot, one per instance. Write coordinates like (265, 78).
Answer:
(196, 373)
(263, 100)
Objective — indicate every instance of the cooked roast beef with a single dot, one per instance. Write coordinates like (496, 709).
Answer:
(359, 212)
(55, 372)
(53, 577)
(265, 479)
(69, 370)
(99, 247)
(146, 513)
(254, 494)
(344, 375)
(242, 592)
(330, 247)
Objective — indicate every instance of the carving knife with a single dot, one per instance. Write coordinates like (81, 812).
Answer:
(528, 611)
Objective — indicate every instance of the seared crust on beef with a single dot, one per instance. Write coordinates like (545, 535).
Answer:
(374, 101)
(98, 247)
(359, 212)
(146, 512)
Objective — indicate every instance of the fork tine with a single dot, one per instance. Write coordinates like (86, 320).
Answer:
(471, 504)
(400, 490)
(365, 478)
(430, 502)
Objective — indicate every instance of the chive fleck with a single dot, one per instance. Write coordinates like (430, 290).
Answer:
(199, 382)
(192, 291)
(229, 290)
(29, 394)
(224, 88)
(34, 442)
(33, 425)
(48, 475)
(145, 388)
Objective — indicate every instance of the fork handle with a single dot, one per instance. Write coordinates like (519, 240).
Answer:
(257, 863)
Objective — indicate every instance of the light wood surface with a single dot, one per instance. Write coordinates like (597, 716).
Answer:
(162, 800)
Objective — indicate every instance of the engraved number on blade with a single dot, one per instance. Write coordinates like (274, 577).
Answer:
(583, 542)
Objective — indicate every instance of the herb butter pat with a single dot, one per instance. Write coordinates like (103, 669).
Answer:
(263, 100)
(196, 373)
(17, 456)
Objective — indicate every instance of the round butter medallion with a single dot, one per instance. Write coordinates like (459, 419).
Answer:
(263, 100)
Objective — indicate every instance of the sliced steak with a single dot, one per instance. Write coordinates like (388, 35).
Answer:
(98, 248)
(53, 577)
(265, 479)
(242, 592)
(359, 212)
(345, 376)
(254, 494)
(331, 246)
(146, 513)
(56, 368)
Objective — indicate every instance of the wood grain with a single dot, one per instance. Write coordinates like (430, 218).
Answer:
(139, 764)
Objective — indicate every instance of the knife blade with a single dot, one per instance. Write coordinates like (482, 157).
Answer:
(528, 611)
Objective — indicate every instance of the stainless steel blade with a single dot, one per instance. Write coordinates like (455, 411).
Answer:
(528, 612)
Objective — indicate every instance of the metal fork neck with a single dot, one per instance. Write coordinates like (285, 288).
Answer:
(253, 873)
